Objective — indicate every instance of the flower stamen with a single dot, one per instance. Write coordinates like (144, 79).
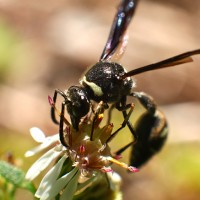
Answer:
(121, 164)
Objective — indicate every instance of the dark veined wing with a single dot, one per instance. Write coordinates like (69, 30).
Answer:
(117, 39)
(176, 60)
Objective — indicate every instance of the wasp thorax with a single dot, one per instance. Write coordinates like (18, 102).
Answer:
(104, 82)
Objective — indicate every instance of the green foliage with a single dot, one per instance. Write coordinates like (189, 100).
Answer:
(12, 178)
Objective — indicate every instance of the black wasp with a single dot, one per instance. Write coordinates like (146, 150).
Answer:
(109, 82)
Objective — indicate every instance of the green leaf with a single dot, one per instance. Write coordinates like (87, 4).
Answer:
(15, 176)
(11, 173)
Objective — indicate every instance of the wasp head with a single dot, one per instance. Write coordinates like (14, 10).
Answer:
(78, 104)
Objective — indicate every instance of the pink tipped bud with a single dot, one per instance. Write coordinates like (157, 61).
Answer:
(118, 156)
(106, 169)
(111, 125)
(133, 169)
(51, 102)
(82, 149)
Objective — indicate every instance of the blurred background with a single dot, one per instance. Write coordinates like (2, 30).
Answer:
(49, 44)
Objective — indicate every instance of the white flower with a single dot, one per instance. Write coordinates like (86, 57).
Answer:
(80, 160)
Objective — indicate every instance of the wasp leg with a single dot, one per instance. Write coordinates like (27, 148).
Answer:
(110, 114)
(98, 115)
(61, 125)
(125, 122)
(53, 116)
(121, 150)
(124, 106)
(132, 130)
(152, 130)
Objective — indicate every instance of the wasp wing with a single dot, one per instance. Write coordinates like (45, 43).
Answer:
(117, 39)
(176, 60)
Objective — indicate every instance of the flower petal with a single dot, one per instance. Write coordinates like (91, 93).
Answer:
(71, 187)
(50, 178)
(37, 134)
(42, 163)
(46, 143)
(82, 186)
(52, 190)
(114, 180)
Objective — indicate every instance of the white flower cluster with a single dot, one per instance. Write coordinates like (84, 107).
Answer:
(54, 183)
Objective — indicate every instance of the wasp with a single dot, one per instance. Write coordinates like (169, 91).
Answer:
(109, 82)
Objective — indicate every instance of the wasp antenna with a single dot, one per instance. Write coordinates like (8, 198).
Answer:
(170, 62)
(57, 111)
